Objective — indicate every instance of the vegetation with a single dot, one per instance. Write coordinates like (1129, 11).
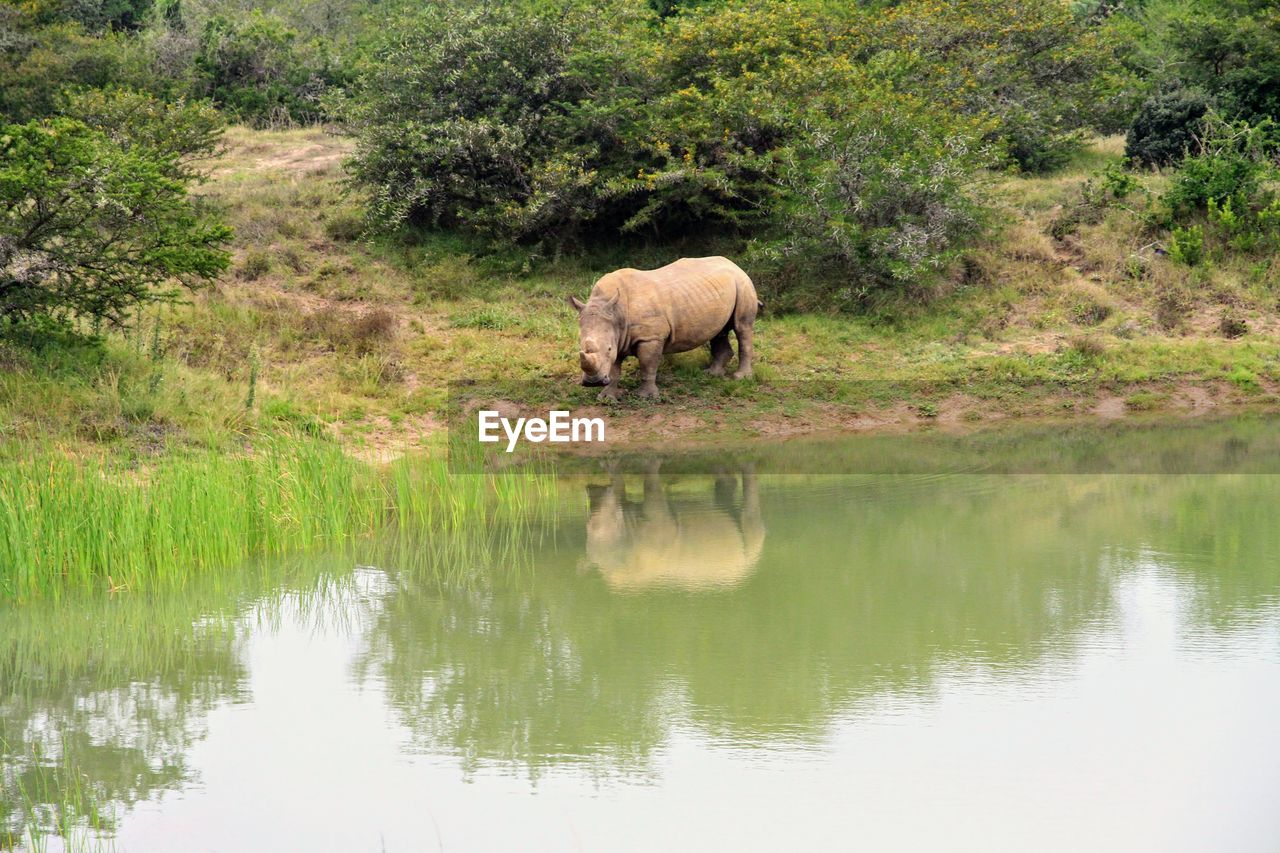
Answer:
(932, 198)
(96, 226)
(1166, 127)
(220, 343)
(840, 148)
(74, 523)
(846, 142)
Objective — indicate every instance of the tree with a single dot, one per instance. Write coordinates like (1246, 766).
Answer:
(562, 127)
(256, 68)
(1047, 77)
(181, 133)
(92, 229)
(1231, 49)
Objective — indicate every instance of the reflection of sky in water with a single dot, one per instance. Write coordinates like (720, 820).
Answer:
(926, 663)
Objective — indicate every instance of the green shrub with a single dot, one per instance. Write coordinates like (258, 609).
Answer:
(1117, 184)
(1186, 245)
(556, 127)
(462, 120)
(256, 68)
(184, 134)
(1228, 48)
(89, 228)
(1242, 229)
(1231, 161)
(93, 15)
(879, 194)
(39, 63)
(1166, 127)
(1226, 188)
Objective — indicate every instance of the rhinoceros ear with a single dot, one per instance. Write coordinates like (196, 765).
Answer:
(577, 304)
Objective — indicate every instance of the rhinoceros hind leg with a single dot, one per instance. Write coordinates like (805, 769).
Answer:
(721, 352)
(745, 351)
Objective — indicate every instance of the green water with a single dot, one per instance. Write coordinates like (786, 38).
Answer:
(685, 661)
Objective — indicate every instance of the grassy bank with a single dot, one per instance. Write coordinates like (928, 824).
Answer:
(74, 523)
(1066, 307)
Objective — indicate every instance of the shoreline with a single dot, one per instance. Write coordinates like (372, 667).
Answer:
(683, 426)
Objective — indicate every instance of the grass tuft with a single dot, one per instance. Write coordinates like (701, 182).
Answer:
(69, 523)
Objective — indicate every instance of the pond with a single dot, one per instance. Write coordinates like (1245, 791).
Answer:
(682, 660)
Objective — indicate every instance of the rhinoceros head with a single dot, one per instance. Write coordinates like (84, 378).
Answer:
(598, 326)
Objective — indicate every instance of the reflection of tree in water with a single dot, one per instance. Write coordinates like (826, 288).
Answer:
(1221, 534)
(104, 702)
(103, 698)
(864, 587)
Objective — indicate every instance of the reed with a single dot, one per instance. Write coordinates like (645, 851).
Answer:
(69, 523)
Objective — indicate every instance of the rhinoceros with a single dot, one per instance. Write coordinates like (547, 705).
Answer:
(675, 308)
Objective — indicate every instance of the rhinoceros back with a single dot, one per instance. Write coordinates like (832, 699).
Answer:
(698, 297)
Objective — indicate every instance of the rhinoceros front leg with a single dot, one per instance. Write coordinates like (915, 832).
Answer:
(611, 392)
(650, 356)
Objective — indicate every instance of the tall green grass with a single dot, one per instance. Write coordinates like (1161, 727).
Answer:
(69, 523)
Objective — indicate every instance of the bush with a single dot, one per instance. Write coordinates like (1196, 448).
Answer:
(95, 15)
(39, 63)
(473, 119)
(94, 229)
(552, 128)
(1166, 127)
(878, 194)
(1231, 161)
(256, 69)
(1230, 49)
(1186, 245)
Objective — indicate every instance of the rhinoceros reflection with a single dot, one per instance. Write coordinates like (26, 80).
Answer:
(660, 542)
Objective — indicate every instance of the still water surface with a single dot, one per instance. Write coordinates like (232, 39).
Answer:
(730, 662)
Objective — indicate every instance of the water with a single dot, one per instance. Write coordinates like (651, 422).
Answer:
(744, 662)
